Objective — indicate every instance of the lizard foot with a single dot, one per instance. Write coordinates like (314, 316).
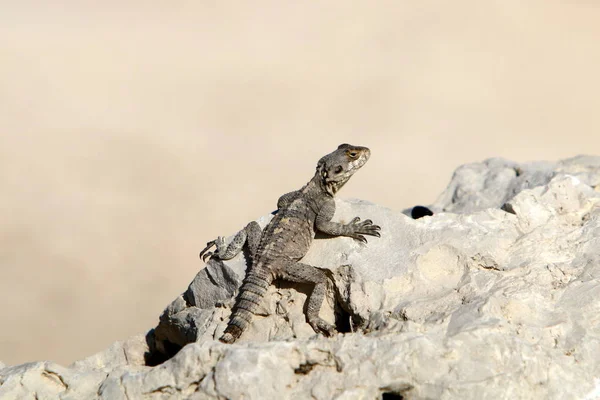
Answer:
(365, 227)
(220, 246)
(322, 326)
(203, 254)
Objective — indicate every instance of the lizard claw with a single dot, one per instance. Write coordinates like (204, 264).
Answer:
(365, 227)
(219, 242)
(360, 238)
(203, 254)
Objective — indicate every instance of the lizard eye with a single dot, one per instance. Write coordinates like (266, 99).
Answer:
(338, 169)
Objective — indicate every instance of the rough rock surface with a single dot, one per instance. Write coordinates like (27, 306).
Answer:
(497, 295)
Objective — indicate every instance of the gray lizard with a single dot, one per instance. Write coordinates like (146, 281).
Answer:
(275, 252)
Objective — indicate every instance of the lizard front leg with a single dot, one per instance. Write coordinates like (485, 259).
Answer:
(250, 234)
(354, 229)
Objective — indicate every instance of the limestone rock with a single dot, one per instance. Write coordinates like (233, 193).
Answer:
(131, 352)
(497, 295)
(491, 183)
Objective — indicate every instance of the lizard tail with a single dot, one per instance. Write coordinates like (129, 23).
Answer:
(251, 294)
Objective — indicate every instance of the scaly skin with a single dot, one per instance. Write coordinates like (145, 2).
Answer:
(276, 251)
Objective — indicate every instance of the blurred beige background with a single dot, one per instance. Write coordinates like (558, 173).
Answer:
(131, 133)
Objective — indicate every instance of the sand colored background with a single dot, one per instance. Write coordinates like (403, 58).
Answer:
(131, 134)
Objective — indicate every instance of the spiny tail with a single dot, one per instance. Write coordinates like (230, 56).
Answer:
(251, 294)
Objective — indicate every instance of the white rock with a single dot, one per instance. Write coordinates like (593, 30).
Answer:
(480, 302)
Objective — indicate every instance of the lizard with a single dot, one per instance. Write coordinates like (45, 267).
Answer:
(276, 251)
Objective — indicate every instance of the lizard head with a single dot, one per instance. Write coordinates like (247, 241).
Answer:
(335, 169)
